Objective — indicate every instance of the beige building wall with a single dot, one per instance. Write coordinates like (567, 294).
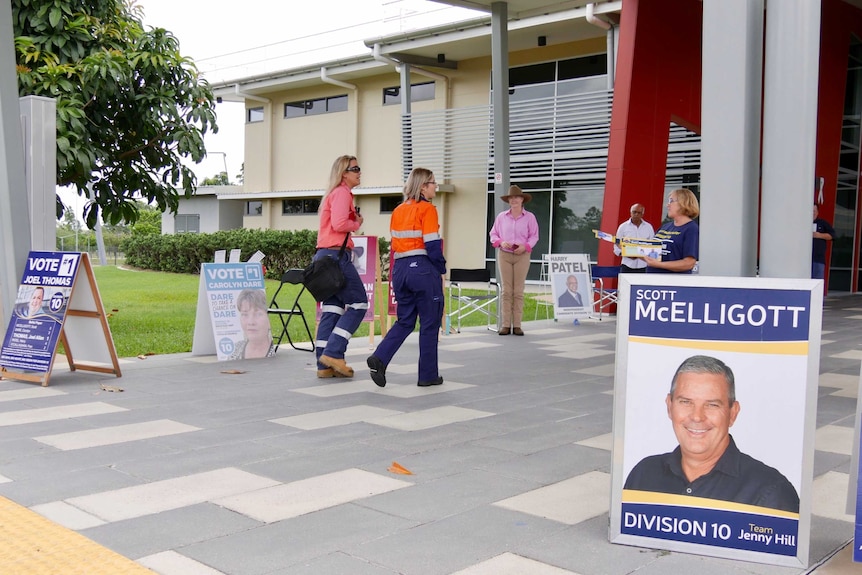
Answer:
(257, 158)
(295, 154)
(304, 147)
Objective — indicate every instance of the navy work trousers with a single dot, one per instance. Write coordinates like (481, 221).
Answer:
(419, 292)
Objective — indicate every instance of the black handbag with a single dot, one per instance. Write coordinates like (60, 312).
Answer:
(324, 278)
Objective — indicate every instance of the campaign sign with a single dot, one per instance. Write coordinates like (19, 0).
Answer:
(571, 285)
(40, 309)
(236, 296)
(364, 259)
(714, 415)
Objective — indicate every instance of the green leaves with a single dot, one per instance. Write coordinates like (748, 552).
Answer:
(130, 107)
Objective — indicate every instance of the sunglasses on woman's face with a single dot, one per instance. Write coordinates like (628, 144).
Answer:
(354, 169)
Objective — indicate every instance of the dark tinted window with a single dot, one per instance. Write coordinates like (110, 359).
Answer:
(582, 67)
(418, 93)
(254, 115)
(253, 208)
(315, 106)
(536, 74)
(389, 203)
(300, 206)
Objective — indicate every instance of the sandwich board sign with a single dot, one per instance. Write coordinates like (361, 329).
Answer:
(58, 302)
(231, 320)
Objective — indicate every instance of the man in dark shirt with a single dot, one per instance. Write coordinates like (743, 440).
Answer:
(702, 407)
(821, 234)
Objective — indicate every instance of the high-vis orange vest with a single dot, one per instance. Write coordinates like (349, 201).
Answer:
(413, 224)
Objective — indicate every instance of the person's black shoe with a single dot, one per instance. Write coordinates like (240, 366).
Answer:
(437, 381)
(378, 370)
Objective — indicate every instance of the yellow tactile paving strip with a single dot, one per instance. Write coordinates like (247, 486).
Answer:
(33, 545)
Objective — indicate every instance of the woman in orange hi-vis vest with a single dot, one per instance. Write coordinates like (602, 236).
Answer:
(341, 314)
(417, 269)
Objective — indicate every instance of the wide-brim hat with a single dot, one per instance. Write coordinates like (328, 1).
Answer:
(515, 191)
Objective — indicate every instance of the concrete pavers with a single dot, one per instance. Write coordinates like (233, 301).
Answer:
(194, 471)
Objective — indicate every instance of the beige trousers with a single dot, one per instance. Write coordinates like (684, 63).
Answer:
(513, 274)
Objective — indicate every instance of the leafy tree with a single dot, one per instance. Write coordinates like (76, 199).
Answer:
(149, 221)
(70, 222)
(220, 180)
(129, 106)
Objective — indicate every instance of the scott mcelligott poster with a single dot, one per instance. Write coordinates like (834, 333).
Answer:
(714, 415)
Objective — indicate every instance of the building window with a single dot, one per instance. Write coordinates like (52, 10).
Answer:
(187, 224)
(254, 208)
(564, 77)
(389, 203)
(418, 93)
(316, 106)
(300, 206)
(253, 115)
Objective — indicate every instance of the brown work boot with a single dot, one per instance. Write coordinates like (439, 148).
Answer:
(338, 364)
(328, 372)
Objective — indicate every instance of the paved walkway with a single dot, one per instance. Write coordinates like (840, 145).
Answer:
(258, 468)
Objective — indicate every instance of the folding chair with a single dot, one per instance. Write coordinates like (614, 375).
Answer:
(607, 296)
(461, 305)
(293, 277)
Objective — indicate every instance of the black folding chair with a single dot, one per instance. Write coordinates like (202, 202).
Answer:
(461, 305)
(292, 277)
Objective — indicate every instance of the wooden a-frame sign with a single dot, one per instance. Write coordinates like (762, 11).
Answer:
(58, 301)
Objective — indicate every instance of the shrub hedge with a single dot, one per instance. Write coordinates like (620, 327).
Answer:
(184, 253)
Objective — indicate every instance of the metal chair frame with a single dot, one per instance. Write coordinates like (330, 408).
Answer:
(606, 296)
(284, 314)
(461, 305)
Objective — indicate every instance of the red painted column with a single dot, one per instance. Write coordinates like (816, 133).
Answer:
(839, 21)
(658, 80)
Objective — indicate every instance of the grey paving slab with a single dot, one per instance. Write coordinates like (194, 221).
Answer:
(50, 461)
(173, 529)
(172, 563)
(584, 549)
(57, 485)
(298, 467)
(168, 494)
(445, 461)
(156, 467)
(824, 462)
(450, 495)
(455, 542)
(38, 415)
(338, 562)
(286, 544)
(553, 464)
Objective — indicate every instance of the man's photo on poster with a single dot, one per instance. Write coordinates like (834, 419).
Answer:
(572, 290)
(705, 424)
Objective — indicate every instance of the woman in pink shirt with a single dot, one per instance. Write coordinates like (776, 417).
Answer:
(514, 234)
(341, 314)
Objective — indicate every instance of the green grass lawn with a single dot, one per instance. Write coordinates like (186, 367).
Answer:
(154, 312)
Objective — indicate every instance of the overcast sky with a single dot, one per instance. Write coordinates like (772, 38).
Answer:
(229, 39)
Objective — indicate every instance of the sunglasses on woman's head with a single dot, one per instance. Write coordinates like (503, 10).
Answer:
(354, 169)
